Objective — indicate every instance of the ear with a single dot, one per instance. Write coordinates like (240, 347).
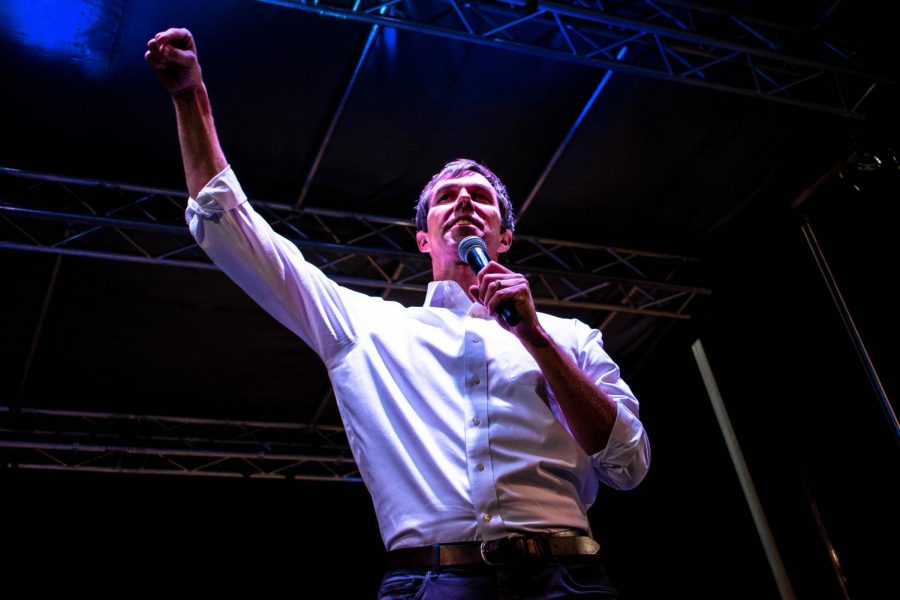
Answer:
(505, 241)
(422, 242)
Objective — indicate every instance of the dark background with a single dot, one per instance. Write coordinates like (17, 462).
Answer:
(655, 166)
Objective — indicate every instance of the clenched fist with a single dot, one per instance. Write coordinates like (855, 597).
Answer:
(173, 56)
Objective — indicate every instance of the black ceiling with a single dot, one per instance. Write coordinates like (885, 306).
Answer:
(654, 166)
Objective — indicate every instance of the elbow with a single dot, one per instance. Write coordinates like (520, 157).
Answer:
(632, 474)
(625, 468)
(631, 478)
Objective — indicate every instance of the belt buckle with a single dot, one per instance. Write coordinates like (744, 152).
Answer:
(503, 546)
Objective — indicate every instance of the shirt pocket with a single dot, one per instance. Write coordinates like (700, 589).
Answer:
(514, 366)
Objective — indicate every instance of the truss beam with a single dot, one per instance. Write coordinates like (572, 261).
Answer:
(675, 41)
(165, 445)
(114, 221)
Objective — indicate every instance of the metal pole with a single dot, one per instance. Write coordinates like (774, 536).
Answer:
(565, 143)
(332, 126)
(740, 466)
(228, 474)
(847, 318)
(185, 452)
(179, 420)
(826, 539)
(38, 328)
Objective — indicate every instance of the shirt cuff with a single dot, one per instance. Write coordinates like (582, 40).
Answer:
(626, 458)
(221, 194)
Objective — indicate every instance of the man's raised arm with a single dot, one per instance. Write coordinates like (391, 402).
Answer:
(173, 56)
(269, 267)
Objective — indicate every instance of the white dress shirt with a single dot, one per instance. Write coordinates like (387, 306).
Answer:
(454, 428)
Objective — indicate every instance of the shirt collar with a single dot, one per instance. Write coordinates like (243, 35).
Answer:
(448, 294)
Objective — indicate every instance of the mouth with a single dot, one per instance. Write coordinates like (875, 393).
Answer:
(462, 222)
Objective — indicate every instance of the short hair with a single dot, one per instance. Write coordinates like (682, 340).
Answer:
(455, 169)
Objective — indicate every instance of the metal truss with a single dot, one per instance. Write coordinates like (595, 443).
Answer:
(671, 40)
(156, 445)
(108, 220)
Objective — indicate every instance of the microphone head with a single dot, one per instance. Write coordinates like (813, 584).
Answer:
(469, 243)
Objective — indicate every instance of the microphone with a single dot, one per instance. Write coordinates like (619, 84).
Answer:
(473, 250)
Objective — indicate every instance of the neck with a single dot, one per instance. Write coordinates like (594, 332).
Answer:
(456, 271)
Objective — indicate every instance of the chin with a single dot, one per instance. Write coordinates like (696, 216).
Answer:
(458, 232)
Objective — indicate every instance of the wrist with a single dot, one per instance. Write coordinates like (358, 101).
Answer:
(535, 339)
(189, 93)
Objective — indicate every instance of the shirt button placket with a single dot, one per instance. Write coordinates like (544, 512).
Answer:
(481, 477)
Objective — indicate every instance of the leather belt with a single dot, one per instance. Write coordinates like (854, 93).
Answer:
(492, 553)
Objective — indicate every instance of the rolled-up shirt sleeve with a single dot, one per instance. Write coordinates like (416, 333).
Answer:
(624, 462)
(271, 269)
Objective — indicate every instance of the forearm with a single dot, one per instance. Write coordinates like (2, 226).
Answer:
(589, 412)
(200, 150)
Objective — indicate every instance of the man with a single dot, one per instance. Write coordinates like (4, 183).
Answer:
(482, 444)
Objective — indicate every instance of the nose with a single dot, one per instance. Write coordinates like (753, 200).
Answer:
(464, 197)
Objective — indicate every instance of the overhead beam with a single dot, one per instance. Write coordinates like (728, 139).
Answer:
(539, 184)
(115, 221)
(336, 117)
(93, 441)
(742, 56)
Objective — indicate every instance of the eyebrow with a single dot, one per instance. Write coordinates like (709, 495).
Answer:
(471, 186)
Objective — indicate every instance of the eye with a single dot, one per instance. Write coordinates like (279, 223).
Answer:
(443, 197)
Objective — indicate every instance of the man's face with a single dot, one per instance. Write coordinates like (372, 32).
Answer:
(459, 207)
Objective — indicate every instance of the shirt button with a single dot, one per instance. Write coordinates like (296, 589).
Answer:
(476, 380)
(476, 421)
(487, 516)
(480, 467)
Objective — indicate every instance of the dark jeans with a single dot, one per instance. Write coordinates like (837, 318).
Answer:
(584, 578)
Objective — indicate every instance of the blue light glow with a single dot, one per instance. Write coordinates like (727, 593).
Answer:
(596, 93)
(390, 42)
(67, 29)
(390, 38)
